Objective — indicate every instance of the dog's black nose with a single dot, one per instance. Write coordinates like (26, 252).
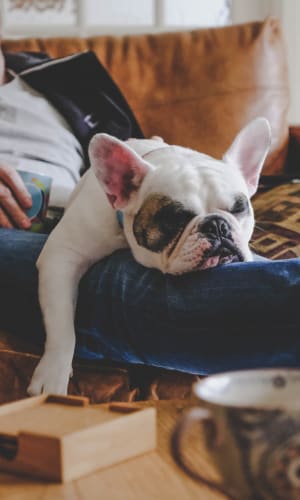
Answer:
(216, 227)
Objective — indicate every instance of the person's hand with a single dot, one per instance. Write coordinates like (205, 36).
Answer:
(14, 199)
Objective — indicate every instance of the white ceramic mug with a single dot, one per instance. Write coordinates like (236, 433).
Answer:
(252, 428)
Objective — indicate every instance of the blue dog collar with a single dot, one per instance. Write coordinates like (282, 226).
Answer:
(120, 218)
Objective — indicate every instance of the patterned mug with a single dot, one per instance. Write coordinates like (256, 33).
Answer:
(38, 186)
(251, 420)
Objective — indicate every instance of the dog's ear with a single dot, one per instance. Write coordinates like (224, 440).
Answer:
(249, 150)
(118, 168)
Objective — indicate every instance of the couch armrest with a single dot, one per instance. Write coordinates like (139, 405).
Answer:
(293, 156)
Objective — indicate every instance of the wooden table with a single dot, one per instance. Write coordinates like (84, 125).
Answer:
(150, 476)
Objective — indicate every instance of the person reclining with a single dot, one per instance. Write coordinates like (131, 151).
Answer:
(199, 322)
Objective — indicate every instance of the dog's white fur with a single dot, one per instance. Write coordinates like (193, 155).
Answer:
(89, 229)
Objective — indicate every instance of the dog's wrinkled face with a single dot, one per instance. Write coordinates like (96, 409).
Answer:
(183, 210)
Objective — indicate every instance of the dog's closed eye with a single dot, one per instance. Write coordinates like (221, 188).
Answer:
(159, 222)
(240, 206)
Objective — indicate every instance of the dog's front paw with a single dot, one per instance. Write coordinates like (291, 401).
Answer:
(51, 376)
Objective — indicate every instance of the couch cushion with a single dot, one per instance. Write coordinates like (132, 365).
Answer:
(195, 88)
(277, 231)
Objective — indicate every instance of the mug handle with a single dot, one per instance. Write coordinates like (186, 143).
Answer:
(192, 416)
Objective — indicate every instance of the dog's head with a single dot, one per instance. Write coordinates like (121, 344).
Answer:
(183, 210)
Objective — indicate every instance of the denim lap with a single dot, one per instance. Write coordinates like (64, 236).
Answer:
(240, 315)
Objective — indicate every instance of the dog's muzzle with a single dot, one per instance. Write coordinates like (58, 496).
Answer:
(204, 243)
(220, 234)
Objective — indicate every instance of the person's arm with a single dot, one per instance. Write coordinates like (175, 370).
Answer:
(14, 199)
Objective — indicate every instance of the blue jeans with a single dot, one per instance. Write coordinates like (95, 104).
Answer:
(240, 315)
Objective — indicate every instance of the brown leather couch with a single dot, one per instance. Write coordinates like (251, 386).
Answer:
(196, 89)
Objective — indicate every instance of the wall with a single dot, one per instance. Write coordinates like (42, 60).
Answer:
(251, 10)
(289, 13)
(89, 17)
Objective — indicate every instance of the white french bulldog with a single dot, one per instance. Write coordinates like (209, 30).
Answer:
(182, 211)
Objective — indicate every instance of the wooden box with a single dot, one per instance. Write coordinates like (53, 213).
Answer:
(62, 438)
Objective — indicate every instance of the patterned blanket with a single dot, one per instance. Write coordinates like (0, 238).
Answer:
(277, 230)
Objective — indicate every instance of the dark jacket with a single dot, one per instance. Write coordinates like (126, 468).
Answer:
(81, 90)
